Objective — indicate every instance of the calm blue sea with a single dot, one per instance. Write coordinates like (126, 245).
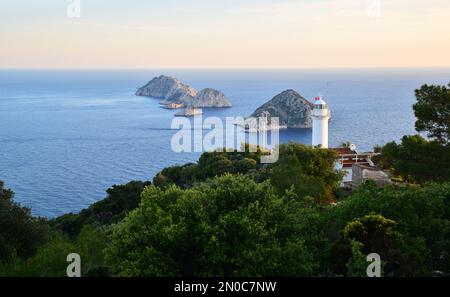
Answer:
(66, 136)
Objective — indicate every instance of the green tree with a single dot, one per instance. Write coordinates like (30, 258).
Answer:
(184, 176)
(432, 111)
(20, 233)
(311, 172)
(90, 245)
(375, 232)
(228, 226)
(50, 258)
(357, 264)
(377, 235)
(120, 200)
(209, 165)
(421, 215)
(417, 160)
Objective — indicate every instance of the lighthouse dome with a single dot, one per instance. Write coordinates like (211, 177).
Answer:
(319, 103)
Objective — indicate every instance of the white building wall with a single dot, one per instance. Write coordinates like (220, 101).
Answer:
(320, 128)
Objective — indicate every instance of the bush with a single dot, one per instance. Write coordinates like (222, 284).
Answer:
(20, 233)
(229, 226)
(120, 200)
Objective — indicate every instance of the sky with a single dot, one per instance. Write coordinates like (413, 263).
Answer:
(218, 34)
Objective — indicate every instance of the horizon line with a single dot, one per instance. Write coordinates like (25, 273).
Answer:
(218, 68)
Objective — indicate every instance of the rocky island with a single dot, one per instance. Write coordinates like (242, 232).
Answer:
(292, 110)
(176, 94)
(210, 98)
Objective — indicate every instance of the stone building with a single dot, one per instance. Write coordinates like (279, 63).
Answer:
(362, 173)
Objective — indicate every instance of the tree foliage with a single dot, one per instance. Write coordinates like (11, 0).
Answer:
(309, 172)
(210, 165)
(120, 200)
(229, 226)
(357, 264)
(432, 111)
(376, 234)
(20, 233)
(417, 160)
(50, 258)
(411, 229)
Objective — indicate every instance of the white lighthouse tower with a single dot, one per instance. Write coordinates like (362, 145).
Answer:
(321, 116)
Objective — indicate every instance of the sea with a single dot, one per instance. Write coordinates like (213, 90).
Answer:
(68, 135)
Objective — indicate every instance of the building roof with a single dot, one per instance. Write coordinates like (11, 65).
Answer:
(348, 157)
(343, 150)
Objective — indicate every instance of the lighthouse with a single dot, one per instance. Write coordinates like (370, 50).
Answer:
(321, 116)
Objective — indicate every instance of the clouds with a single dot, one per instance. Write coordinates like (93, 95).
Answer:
(232, 33)
(288, 8)
(112, 26)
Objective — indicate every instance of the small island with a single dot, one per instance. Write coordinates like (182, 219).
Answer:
(175, 94)
(291, 109)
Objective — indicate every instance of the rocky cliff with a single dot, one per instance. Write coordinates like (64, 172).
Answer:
(290, 107)
(172, 90)
(210, 98)
(167, 88)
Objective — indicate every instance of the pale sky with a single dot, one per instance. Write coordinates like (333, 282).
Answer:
(225, 34)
